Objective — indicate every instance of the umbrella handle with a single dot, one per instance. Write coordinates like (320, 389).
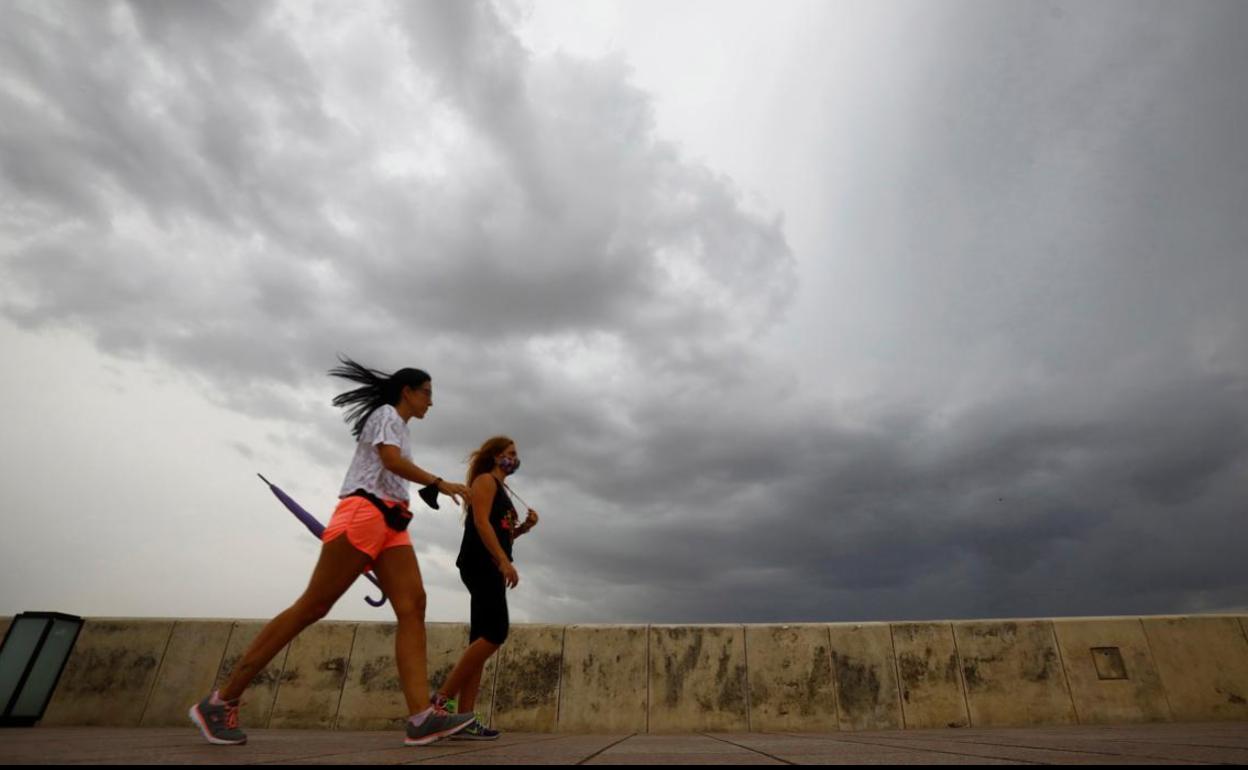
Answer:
(371, 601)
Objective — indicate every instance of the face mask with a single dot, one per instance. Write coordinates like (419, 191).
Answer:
(508, 465)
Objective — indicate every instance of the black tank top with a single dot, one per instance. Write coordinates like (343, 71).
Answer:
(473, 555)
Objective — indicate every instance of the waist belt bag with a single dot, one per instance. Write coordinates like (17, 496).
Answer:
(397, 518)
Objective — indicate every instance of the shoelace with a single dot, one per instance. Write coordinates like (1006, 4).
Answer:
(231, 716)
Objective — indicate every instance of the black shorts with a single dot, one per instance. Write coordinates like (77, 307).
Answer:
(489, 605)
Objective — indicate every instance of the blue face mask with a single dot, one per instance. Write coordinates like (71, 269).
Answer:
(508, 465)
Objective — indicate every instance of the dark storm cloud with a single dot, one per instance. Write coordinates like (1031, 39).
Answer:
(1037, 255)
(209, 133)
(1129, 510)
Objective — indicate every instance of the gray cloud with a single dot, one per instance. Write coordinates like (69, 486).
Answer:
(1032, 273)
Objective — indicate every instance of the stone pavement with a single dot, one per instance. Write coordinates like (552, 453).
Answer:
(1224, 742)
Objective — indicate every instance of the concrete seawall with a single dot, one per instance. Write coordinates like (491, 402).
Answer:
(679, 679)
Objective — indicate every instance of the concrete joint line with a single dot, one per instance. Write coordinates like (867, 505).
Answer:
(745, 648)
(649, 694)
(1061, 660)
(747, 748)
(1161, 676)
(498, 674)
(917, 749)
(1072, 751)
(156, 679)
(346, 671)
(606, 748)
(563, 648)
(966, 699)
(836, 685)
(901, 706)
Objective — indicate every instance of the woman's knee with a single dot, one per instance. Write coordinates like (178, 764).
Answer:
(410, 605)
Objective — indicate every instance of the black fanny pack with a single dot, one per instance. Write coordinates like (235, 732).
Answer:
(396, 516)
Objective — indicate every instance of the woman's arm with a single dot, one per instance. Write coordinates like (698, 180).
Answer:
(393, 461)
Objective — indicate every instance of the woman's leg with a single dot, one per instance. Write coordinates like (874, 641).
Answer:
(465, 679)
(339, 565)
(399, 573)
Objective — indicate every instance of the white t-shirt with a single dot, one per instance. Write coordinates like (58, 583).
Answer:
(383, 426)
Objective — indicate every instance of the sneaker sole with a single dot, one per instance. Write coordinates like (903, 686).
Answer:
(474, 737)
(203, 728)
(428, 739)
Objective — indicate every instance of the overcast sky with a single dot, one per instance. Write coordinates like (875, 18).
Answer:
(797, 311)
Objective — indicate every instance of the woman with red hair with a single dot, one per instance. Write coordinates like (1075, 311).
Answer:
(490, 528)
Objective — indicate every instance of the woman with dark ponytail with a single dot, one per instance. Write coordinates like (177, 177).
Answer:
(369, 528)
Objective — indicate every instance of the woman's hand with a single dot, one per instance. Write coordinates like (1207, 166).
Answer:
(530, 521)
(455, 491)
(511, 578)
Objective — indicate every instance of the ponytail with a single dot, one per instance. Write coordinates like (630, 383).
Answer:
(377, 389)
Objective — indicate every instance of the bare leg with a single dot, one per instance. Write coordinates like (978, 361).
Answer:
(339, 565)
(399, 573)
(465, 678)
(467, 703)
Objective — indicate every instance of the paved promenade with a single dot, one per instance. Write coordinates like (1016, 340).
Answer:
(1215, 743)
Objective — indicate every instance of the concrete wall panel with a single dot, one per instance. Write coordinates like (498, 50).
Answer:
(698, 679)
(310, 688)
(1111, 672)
(372, 697)
(526, 697)
(110, 673)
(187, 671)
(1203, 662)
(1013, 674)
(866, 678)
(446, 643)
(605, 685)
(257, 700)
(791, 684)
(932, 692)
(674, 679)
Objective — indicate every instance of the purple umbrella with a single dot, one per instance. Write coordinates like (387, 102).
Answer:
(317, 529)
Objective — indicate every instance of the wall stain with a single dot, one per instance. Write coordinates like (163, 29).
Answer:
(267, 677)
(732, 691)
(970, 670)
(380, 675)
(102, 671)
(1038, 666)
(532, 681)
(951, 668)
(438, 676)
(336, 665)
(912, 669)
(675, 671)
(860, 683)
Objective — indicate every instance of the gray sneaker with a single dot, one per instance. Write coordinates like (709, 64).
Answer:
(218, 723)
(438, 724)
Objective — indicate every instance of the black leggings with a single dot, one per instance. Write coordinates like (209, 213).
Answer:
(489, 605)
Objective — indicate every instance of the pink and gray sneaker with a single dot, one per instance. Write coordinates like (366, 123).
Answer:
(218, 720)
(437, 724)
